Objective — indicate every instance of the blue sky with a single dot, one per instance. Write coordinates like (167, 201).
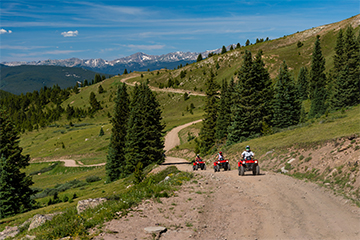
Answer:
(39, 30)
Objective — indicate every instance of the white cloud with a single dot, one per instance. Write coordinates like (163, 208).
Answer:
(70, 33)
(2, 31)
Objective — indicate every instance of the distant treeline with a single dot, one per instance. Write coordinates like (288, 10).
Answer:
(33, 110)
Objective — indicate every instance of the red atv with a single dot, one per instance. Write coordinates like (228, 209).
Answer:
(248, 164)
(199, 164)
(223, 163)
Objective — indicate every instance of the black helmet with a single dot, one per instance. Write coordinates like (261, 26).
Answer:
(247, 148)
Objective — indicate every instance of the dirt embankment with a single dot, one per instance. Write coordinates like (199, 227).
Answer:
(224, 205)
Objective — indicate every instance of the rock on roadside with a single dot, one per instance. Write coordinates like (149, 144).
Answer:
(9, 232)
(89, 203)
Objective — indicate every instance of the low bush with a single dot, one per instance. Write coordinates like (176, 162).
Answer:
(92, 179)
(45, 169)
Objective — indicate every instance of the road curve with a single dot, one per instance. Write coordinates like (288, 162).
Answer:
(172, 138)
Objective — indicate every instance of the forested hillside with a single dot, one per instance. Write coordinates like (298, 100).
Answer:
(26, 78)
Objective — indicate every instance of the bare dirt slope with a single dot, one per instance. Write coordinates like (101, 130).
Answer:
(224, 205)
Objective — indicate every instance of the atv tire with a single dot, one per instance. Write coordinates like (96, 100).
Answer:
(217, 168)
(241, 171)
(257, 170)
(229, 168)
(196, 167)
(204, 167)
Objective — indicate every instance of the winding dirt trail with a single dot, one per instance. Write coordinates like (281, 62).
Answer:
(224, 205)
(73, 163)
(173, 90)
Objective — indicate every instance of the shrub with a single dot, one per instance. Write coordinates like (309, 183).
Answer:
(308, 159)
(46, 169)
(301, 157)
(91, 179)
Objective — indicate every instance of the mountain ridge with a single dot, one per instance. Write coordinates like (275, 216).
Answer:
(135, 62)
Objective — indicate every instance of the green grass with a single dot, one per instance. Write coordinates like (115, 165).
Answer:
(336, 125)
(119, 195)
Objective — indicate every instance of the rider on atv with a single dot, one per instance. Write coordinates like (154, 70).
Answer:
(198, 158)
(247, 153)
(220, 156)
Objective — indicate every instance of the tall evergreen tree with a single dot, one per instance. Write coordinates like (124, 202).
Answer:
(223, 50)
(115, 164)
(95, 105)
(318, 103)
(224, 113)
(303, 83)
(97, 78)
(199, 58)
(262, 109)
(286, 105)
(144, 139)
(253, 96)
(346, 71)
(154, 149)
(207, 132)
(317, 75)
(15, 188)
(242, 95)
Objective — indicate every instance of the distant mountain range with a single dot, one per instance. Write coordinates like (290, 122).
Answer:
(135, 62)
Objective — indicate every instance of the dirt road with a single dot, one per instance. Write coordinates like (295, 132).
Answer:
(162, 89)
(224, 205)
(73, 163)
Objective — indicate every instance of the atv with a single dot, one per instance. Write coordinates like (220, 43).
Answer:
(223, 163)
(248, 164)
(199, 164)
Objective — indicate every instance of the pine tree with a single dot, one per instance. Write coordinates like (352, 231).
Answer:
(224, 113)
(100, 89)
(262, 108)
(253, 96)
(207, 132)
(125, 71)
(199, 58)
(15, 189)
(317, 75)
(237, 46)
(115, 164)
(242, 95)
(95, 105)
(223, 50)
(345, 89)
(303, 83)
(247, 43)
(286, 102)
(76, 89)
(154, 128)
(101, 132)
(97, 78)
(318, 106)
(144, 139)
